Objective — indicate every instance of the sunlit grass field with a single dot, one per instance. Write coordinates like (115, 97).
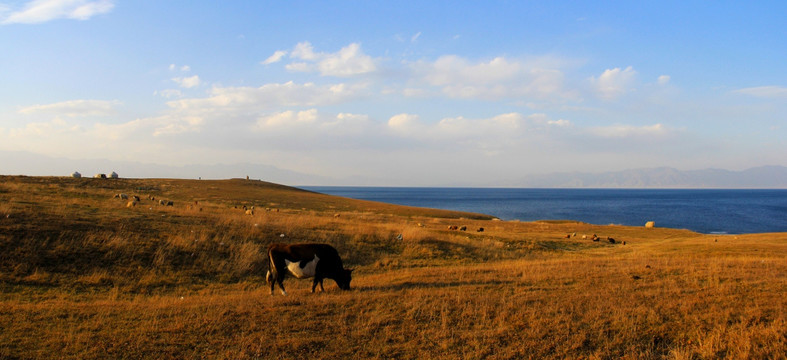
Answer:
(84, 274)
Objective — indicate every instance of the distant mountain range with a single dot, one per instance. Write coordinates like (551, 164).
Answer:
(26, 163)
(663, 177)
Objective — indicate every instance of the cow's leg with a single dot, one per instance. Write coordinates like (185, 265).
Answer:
(321, 288)
(281, 285)
(314, 283)
(270, 280)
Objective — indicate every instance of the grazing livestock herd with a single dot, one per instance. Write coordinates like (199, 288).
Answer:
(133, 200)
(460, 228)
(316, 261)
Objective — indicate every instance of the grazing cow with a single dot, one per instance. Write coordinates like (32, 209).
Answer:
(611, 240)
(463, 228)
(121, 196)
(567, 236)
(453, 227)
(249, 212)
(136, 198)
(480, 230)
(318, 261)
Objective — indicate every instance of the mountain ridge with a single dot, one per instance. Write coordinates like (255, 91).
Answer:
(768, 177)
(660, 177)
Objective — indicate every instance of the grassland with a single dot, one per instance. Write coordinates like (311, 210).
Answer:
(84, 276)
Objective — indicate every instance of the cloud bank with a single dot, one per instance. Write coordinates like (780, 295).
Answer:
(40, 11)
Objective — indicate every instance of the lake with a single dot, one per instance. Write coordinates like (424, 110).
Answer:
(701, 210)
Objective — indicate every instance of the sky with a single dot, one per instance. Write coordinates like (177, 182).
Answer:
(406, 93)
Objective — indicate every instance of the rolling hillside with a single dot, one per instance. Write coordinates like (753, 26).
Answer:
(85, 274)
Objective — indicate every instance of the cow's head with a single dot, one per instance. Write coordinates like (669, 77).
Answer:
(344, 278)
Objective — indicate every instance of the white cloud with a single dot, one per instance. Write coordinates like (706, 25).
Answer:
(348, 61)
(772, 92)
(171, 124)
(232, 102)
(184, 68)
(415, 37)
(39, 11)
(187, 82)
(614, 83)
(626, 131)
(500, 128)
(74, 108)
(451, 69)
(168, 125)
(663, 79)
(276, 57)
(405, 124)
(287, 118)
(560, 123)
(313, 124)
(304, 51)
(169, 93)
(495, 79)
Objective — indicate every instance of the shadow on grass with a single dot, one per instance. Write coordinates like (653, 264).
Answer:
(412, 285)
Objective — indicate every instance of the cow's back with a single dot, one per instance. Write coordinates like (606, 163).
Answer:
(330, 261)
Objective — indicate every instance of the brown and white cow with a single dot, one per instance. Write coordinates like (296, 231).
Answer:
(318, 261)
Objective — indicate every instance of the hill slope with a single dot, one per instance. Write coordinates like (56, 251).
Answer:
(84, 275)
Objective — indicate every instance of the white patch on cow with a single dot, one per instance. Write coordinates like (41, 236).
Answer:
(301, 273)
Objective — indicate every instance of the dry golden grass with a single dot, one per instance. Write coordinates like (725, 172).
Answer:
(82, 276)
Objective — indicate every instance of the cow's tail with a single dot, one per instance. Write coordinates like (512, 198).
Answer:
(272, 274)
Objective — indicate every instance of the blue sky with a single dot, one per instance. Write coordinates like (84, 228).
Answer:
(403, 93)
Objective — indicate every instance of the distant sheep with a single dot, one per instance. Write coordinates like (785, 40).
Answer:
(76, 174)
(650, 224)
(113, 175)
(100, 176)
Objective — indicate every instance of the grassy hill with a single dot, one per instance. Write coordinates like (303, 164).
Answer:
(85, 275)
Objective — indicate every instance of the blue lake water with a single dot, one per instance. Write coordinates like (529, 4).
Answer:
(705, 211)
